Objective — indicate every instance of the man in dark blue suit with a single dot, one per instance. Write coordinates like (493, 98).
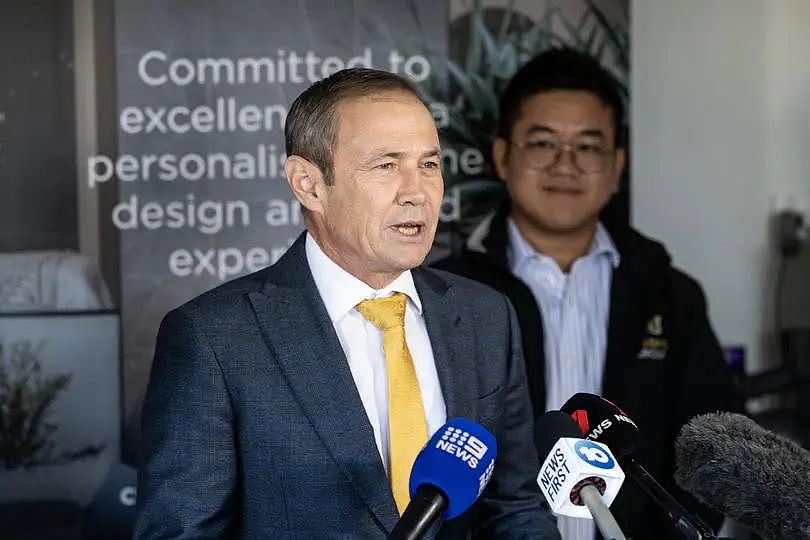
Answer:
(279, 405)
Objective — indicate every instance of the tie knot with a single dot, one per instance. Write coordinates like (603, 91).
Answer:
(384, 313)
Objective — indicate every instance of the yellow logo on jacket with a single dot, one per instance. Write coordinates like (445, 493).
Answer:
(655, 326)
(654, 347)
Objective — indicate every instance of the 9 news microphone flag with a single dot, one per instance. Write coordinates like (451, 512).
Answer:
(449, 474)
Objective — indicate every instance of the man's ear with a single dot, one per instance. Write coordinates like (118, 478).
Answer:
(618, 167)
(306, 182)
(500, 156)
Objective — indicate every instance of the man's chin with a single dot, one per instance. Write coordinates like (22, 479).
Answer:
(407, 261)
(568, 226)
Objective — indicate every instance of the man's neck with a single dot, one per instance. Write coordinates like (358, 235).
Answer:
(563, 248)
(375, 280)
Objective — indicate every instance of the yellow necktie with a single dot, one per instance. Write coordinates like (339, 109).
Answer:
(407, 427)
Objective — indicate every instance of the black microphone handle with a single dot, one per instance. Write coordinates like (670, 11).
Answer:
(691, 527)
(426, 506)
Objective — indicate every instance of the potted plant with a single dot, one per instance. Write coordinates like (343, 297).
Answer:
(27, 397)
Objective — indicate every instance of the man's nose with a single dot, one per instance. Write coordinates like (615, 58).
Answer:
(565, 161)
(412, 188)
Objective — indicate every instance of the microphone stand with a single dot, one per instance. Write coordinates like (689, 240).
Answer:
(601, 515)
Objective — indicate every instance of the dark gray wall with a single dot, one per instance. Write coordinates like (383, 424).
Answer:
(37, 133)
(107, 141)
(225, 29)
(796, 291)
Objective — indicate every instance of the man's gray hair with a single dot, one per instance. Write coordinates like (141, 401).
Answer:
(312, 123)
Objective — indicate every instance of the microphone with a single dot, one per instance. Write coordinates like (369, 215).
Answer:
(577, 472)
(600, 420)
(447, 477)
(749, 473)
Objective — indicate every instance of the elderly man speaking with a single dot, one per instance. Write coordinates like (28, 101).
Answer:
(291, 403)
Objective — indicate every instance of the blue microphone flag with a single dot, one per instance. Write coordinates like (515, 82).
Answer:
(458, 460)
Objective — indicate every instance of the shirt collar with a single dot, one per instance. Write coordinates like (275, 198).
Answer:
(603, 245)
(521, 251)
(341, 291)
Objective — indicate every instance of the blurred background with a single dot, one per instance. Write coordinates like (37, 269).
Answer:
(141, 146)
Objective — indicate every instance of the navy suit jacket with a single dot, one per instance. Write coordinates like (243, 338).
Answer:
(253, 427)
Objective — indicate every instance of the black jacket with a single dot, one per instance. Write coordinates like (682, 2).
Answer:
(663, 364)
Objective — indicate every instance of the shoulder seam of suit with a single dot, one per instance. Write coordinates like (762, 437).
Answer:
(197, 328)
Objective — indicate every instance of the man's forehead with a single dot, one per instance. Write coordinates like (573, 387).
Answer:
(564, 102)
(378, 97)
(564, 110)
(353, 120)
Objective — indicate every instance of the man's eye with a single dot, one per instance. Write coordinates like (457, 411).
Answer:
(431, 165)
(549, 145)
(589, 148)
(388, 165)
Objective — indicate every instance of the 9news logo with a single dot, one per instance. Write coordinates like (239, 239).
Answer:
(461, 444)
(593, 454)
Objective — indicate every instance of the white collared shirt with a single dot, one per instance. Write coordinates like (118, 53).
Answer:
(363, 345)
(576, 310)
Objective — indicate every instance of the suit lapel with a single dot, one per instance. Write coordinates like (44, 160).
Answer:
(297, 329)
(452, 340)
(623, 338)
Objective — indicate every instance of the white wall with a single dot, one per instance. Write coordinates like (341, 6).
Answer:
(789, 136)
(721, 137)
(787, 46)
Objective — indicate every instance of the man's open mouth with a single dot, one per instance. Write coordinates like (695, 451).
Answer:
(409, 228)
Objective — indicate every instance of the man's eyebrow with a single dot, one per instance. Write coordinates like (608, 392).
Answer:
(592, 132)
(588, 132)
(377, 155)
(539, 128)
(433, 152)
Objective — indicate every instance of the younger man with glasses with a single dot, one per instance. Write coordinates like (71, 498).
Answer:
(600, 307)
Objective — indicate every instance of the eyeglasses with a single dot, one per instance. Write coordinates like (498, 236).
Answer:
(588, 158)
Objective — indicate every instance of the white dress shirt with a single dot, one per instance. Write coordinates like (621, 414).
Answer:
(363, 345)
(575, 309)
